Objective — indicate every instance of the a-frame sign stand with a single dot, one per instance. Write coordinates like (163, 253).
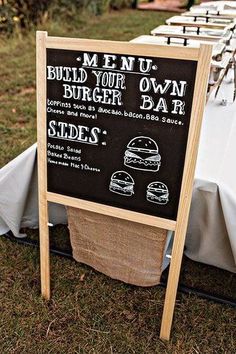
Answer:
(200, 55)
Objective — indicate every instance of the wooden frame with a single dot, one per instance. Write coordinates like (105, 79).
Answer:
(203, 56)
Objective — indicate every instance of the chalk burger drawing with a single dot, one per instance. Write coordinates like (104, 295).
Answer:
(157, 192)
(122, 183)
(142, 154)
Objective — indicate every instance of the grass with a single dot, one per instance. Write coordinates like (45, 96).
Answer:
(89, 312)
(17, 69)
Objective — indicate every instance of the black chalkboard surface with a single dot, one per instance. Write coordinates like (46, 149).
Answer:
(117, 128)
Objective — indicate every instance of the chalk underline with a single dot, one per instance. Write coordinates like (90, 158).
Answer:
(116, 70)
(75, 141)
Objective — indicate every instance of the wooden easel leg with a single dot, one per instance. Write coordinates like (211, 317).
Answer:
(205, 54)
(44, 250)
(42, 163)
(172, 286)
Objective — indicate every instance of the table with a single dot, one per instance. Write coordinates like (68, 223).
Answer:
(211, 235)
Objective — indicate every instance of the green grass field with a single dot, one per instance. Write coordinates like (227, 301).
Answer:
(89, 312)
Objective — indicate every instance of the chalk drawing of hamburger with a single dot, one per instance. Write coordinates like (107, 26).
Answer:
(122, 183)
(142, 154)
(157, 192)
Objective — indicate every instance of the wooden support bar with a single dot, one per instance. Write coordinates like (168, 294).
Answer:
(187, 185)
(42, 167)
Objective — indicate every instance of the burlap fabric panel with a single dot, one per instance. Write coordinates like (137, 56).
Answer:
(123, 250)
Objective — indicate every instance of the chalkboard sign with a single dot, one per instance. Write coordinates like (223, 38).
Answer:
(117, 128)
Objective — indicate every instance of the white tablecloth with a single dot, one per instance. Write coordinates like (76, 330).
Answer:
(211, 236)
(19, 195)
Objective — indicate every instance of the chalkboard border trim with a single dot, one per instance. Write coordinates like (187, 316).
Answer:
(112, 211)
(119, 47)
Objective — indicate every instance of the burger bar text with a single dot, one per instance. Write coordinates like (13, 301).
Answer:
(109, 84)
